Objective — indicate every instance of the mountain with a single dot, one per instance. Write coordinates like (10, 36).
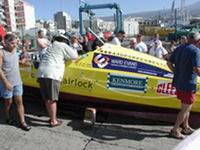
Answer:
(194, 10)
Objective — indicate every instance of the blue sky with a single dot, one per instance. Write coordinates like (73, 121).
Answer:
(45, 9)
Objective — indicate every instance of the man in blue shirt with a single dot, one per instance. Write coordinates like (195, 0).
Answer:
(185, 63)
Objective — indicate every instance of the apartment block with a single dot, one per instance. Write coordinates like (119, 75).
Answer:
(25, 15)
(9, 6)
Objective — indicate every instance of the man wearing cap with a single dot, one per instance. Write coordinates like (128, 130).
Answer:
(185, 63)
(158, 50)
(51, 72)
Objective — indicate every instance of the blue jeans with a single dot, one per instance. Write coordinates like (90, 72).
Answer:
(17, 90)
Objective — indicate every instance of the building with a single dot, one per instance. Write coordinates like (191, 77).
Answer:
(10, 15)
(62, 20)
(108, 26)
(19, 14)
(2, 14)
(39, 24)
(131, 26)
(25, 15)
(50, 25)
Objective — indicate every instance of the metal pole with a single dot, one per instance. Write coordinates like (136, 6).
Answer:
(81, 21)
(121, 20)
(175, 24)
(90, 21)
(117, 18)
(96, 36)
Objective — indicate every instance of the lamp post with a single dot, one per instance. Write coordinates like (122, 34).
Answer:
(129, 29)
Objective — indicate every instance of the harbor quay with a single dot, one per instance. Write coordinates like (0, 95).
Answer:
(110, 132)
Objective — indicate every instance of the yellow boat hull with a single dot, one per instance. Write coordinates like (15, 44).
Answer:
(116, 74)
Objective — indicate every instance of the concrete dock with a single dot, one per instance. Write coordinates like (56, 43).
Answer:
(115, 132)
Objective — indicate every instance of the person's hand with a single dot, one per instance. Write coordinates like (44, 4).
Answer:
(8, 86)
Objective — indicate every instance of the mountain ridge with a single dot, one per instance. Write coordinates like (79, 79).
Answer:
(194, 10)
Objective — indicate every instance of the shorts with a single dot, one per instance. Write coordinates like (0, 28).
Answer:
(186, 97)
(49, 89)
(17, 90)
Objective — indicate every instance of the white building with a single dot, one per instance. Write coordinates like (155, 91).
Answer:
(62, 20)
(50, 25)
(10, 14)
(39, 24)
(131, 26)
(25, 15)
(108, 26)
(2, 14)
(97, 24)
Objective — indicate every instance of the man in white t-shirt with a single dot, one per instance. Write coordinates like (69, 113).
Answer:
(118, 38)
(51, 72)
(158, 50)
(141, 46)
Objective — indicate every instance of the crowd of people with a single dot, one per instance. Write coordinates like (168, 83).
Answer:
(182, 58)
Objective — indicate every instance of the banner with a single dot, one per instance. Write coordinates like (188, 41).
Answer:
(127, 83)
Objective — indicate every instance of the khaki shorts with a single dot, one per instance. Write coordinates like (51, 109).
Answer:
(49, 89)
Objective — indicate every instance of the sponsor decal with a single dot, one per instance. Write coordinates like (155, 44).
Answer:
(101, 61)
(104, 61)
(127, 83)
(169, 75)
(165, 88)
(77, 83)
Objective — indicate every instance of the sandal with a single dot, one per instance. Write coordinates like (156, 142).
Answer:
(24, 126)
(188, 131)
(176, 135)
(59, 123)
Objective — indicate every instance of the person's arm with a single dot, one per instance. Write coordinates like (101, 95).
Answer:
(145, 48)
(196, 63)
(3, 78)
(165, 53)
(171, 61)
(72, 54)
(170, 66)
(196, 70)
(42, 44)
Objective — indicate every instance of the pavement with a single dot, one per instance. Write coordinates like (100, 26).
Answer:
(110, 132)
